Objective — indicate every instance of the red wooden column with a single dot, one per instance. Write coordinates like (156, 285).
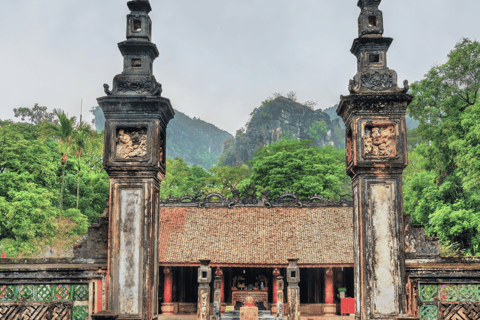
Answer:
(219, 273)
(276, 274)
(167, 305)
(330, 307)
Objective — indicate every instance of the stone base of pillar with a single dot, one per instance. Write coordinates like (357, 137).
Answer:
(248, 313)
(104, 315)
(167, 308)
(330, 309)
(274, 309)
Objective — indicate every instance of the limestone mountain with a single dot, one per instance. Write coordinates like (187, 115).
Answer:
(276, 118)
(196, 141)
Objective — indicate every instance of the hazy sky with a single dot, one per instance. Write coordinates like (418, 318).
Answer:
(219, 59)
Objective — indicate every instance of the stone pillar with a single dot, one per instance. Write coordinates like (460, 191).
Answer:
(329, 308)
(204, 279)
(136, 118)
(280, 288)
(217, 296)
(293, 290)
(276, 274)
(376, 154)
(167, 305)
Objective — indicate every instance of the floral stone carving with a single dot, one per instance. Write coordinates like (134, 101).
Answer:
(131, 143)
(380, 141)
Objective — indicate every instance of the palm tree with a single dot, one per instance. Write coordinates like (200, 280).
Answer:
(85, 140)
(62, 132)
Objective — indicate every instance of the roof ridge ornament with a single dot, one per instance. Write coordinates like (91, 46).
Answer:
(287, 199)
(371, 48)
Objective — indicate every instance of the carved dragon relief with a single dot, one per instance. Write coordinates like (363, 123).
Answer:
(377, 82)
(380, 141)
(131, 143)
(144, 85)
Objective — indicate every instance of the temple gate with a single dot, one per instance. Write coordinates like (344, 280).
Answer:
(134, 157)
(376, 154)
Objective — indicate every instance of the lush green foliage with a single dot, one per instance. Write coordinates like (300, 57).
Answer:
(292, 165)
(441, 184)
(30, 183)
(316, 130)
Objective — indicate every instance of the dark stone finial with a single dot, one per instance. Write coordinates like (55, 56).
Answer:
(368, 3)
(139, 53)
(139, 5)
(371, 49)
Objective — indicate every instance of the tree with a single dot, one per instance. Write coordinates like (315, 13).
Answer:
(292, 165)
(225, 179)
(63, 132)
(27, 178)
(35, 115)
(441, 187)
(316, 130)
(182, 180)
(85, 140)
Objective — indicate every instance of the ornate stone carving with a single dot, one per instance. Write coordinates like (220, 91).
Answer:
(30, 311)
(377, 81)
(380, 141)
(131, 143)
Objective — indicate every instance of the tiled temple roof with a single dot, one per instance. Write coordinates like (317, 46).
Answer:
(256, 235)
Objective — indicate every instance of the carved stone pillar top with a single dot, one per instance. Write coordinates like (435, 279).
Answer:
(204, 272)
(293, 272)
(371, 48)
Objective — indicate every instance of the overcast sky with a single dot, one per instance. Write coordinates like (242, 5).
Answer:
(219, 59)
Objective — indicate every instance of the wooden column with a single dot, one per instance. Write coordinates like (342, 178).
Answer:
(167, 305)
(219, 273)
(329, 307)
(276, 274)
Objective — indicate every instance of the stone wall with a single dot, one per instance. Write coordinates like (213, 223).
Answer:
(50, 289)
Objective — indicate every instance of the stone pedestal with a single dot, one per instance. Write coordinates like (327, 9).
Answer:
(217, 296)
(293, 290)
(248, 313)
(280, 287)
(204, 279)
(104, 315)
(376, 154)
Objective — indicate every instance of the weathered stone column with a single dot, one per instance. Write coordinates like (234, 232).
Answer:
(293, 278)
(167, 305)
(376, 154)
(280, 288)
(204, 279)
(329, 308)
(276, 274)
(134, 157)
(217, 296)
